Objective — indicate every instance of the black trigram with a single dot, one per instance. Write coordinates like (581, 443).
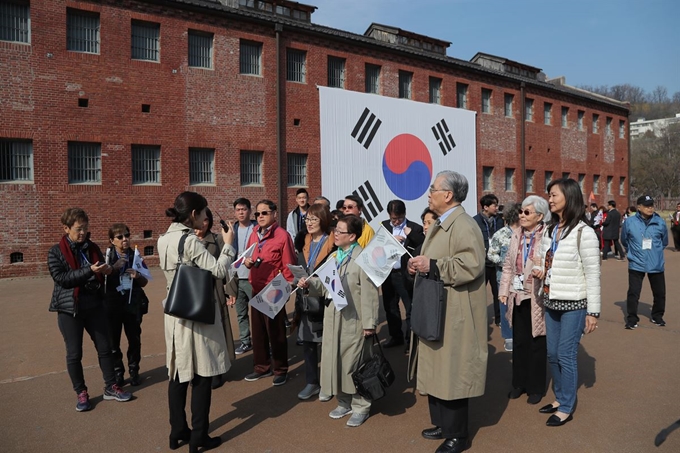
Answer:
(276, 283)
(372, 206)
(443, 136)
(341, 293)
(328, 280)
(366, 128)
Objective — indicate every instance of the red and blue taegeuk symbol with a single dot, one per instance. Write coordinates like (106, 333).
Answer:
(274, 296)
(379, 256)
(407, 167)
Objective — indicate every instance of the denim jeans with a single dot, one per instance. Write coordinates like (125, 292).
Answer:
(563, 334)
(506, 330)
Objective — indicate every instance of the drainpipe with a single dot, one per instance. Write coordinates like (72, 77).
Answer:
(522, 140)
(279, 150)
(629, 203)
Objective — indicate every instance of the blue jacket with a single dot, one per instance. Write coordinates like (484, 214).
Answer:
(633, 231)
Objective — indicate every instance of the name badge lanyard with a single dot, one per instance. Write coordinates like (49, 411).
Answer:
(555, 241)
(527, 248)
(314, 252)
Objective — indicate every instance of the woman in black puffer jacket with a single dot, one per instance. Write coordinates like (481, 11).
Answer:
(77, 267)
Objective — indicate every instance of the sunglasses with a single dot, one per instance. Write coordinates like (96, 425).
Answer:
(121, 236)
(527, 212)
(349, 206)
(258, 214)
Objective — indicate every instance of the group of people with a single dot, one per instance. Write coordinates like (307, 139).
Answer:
(541, 259)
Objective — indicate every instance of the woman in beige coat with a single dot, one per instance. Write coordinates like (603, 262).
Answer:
(194, 351)
(520, 290)
(345, 332)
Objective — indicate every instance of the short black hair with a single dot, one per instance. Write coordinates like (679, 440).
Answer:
(244, 201)
(301, 190)
(488, 200)
(270, 204)
(593, 205)
(357, 200)
(612, 203)
(354, 224)
(396, 207)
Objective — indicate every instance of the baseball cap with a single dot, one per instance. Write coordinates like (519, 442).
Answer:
(645, 200)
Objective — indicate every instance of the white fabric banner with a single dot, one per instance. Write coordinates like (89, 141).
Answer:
(273, 297)
(328, 274)
(380, 255)
(383, 148)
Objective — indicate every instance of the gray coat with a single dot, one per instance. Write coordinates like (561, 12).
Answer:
(193, 347)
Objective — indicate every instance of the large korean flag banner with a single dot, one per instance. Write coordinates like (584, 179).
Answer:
(382, 148)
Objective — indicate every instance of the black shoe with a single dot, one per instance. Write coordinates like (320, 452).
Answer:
(254, 376)
(455, 445)
(299, 342)
(183, 437)
(280, 379)
(659, 322)
(286, 323)
(516, 393)
(217, 382)
(135, 380)
(548, 409)
(554, 420)
(631, 325)
(394, 341)
(534, 398)
(434, 433)
(208, 444)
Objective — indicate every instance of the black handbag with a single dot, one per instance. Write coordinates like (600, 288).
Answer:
(374, 375)
(191, 294)
(428, 308)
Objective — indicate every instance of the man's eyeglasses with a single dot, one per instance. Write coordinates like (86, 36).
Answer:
(121, 236)
(341, 232)
(311, 220)
(433, 190)
(258, 214)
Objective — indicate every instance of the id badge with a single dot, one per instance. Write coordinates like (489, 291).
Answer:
(125, 282)
(518, 282)
(646, 243)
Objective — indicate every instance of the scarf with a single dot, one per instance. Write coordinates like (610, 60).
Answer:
(95, 255)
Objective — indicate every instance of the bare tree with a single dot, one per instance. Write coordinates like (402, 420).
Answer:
(655, 162)
(659, 96)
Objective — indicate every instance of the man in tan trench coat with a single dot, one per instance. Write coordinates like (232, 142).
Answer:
(453, 369)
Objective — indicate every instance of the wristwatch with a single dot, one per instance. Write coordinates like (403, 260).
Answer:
(594, 315)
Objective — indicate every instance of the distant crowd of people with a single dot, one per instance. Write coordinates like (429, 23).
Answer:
(541, 259)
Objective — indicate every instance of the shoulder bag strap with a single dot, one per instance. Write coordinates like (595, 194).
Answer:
(180, 249)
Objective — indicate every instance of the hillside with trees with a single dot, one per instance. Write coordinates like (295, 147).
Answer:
(650, 106)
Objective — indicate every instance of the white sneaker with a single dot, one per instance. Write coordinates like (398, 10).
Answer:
(323, 397)
(508, 345)
(357, 420)
(340, 412)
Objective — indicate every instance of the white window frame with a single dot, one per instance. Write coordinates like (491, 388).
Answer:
(529, 181)
(146, 165)
(405, 82)
(509, 179)
(145, 40)
(486, 100)
(200, 54)
(202, 166)
(297, 170)
(508, 101)
(296, 65)
(336, 72)
(608, 126)
(84, 163)
(548, 179)
(596, 184)
(565, 117)
(15, 21)
(251, 168)
(610, 182)
(622, 185)
(529, 109)
(16, 161)
(373, 78)
(462, 95)
(581, 180)
(82, 31)
(435, 90)
(547, 113)
(596, 123)
(250, 58)
(622, 129)
(487, 178)
(581, 115)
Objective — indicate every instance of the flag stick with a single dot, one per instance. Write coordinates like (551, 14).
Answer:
(132, 282)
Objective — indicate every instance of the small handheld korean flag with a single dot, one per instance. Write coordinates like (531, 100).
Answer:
(273, 297)
(139, 265)
(328, 274)
(380, 256)
(239, 261)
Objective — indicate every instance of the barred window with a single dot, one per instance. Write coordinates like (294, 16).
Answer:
(596, 123)
(622, 129)
(146, 37)
(16, 257)
(435, 90)
(146, 164)
(596, 184)
(529, 109)
(461, 95)
(251, 168)
(565, 116)
(336, 72)
(372, 79)
(148, 250)
(251, 57)
(82, 31)
(608, 127)
(486, 100)
(84, 163)
(610, 180)
(509, 100)
(405, 80)
(487, 173)
(297, 170)
(509, 179)
(16, 160)
(529, 181)
(622, 185)
(15, 22)
(297, 65)
(547, 113)
(200, 49)
(581, 113)
(548, 179)
(201, 166)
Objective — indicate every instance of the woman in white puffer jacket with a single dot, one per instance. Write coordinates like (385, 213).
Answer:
(571, 272)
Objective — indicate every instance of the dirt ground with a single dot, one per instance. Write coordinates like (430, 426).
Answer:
(627, 390)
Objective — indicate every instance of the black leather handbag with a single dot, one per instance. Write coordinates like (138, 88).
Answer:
(373, 375)
(428, 307)
(191, 295)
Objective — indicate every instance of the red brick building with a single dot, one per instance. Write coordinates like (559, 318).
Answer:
(117, 106)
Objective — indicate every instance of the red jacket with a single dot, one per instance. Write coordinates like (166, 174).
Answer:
(277, 251)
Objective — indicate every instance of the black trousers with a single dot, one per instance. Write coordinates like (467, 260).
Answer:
(675, 232)
(490, 276)
(121, 318)
(93, 321)
(529, 354)
(395, 288)
(658, 284)
(201, 393)
(451, 416)
(311, 354)
(618, 251)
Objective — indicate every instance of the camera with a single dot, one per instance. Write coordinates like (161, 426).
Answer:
(257, 262)
(225, 227)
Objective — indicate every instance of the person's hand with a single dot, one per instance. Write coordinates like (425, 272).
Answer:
(120, 263)
(419, 263)
(133, 273)
(228, 236)
(401, 239)
(369, 332)
(538, 273)
(503, 299)
(101, 268)
(591, 324)
(248, 262)
(407, 230)
(302, 283)
(231, 302)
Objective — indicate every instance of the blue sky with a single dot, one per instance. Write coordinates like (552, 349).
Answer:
(591, 42)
